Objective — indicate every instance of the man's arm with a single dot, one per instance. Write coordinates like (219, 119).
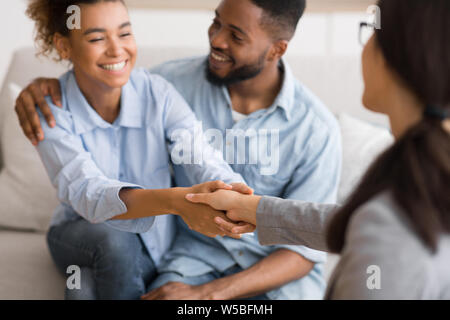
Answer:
(275, 270)
(26, 107)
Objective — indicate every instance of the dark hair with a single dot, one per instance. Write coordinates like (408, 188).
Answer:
(414, 40)
(50, 17)
(281, 16)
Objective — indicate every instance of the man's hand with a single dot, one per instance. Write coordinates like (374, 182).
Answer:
(26, 107)
(178, 291)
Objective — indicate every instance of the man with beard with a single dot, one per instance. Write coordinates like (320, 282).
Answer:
(244, 85)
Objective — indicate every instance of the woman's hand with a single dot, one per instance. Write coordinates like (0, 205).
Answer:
(239, 208)
(200, 217)
(212, 186)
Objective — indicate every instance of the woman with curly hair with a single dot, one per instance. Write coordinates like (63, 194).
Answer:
(107, 155)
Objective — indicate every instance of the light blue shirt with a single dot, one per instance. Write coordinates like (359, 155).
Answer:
(309, 165)
(90, 160)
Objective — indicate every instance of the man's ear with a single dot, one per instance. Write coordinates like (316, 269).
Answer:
(278, 50)
(62, 45)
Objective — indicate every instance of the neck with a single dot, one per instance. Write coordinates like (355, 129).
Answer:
(257, 93)
(405, 111)
(103, 99)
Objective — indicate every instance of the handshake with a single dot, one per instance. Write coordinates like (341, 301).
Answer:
(216, 208)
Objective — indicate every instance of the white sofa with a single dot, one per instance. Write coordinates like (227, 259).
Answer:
(27, 199)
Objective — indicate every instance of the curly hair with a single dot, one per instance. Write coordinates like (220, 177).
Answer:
(50, 17)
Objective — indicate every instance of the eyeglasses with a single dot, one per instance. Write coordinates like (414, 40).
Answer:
(366, 30)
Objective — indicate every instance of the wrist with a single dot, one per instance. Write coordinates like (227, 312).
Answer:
(220, 289)
(250, 206)
(176, 199)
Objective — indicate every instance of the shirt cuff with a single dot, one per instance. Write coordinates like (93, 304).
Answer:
(118, 207)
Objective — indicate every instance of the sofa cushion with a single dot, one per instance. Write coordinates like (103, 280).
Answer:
(27, 197)
(26, 268)
(362, 143)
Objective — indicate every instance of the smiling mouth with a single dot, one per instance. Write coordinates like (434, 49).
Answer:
(220, 57)
(114, 67)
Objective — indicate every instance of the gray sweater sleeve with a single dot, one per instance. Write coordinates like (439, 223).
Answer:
(293, 222)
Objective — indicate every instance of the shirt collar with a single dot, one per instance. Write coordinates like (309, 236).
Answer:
(87, 119)
(285, 99)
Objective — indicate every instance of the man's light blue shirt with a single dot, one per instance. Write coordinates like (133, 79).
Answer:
(309, 166)
(90, 160)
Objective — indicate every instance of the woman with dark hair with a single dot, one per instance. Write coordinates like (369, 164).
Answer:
(393, 234)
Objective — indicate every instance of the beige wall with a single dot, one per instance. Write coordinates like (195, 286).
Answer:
(319, 33)
(313, 5)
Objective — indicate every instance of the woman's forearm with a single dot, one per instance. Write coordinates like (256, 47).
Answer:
(142, 203)
(149, 203)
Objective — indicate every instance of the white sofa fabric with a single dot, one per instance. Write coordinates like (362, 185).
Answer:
(24, 184)
(26, 269)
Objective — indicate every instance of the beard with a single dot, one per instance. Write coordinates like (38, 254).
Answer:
(243, 73)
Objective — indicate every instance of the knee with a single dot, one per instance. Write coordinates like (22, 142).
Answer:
(119, 245)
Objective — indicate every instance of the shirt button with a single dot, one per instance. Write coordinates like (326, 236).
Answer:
(241, 253)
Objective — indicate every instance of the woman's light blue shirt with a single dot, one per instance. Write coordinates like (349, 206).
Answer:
(90, 160)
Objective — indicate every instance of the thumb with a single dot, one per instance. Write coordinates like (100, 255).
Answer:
(217, 185)
(198, 197)
(242, 188)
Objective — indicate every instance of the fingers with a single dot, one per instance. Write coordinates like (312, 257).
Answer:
(24, 123)
(32, 115)
(38, 90)
(234, 228)
(242, 188)
(226, 233)
(151, 295)
(217, 185)
(28, 116)
(55, 92)
(243, 227)
(198, 198)
(225, 225)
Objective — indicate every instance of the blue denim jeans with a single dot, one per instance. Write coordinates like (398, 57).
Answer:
(114, 264)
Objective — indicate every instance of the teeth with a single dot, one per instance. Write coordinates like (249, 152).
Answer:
(114, 67)
(218, 58)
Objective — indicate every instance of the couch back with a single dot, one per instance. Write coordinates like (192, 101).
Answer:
(335, 79)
